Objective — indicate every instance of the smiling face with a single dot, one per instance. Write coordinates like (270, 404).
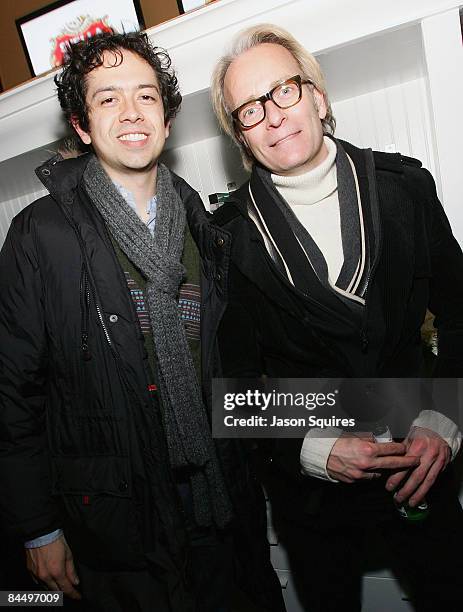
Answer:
(289, 141)
(126, 116)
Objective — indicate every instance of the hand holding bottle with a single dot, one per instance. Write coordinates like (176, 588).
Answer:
(434, 453)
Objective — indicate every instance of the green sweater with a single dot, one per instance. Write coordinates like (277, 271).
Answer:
(189, 301)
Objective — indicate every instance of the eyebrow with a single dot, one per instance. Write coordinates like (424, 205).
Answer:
(272, 85)
(114, 88)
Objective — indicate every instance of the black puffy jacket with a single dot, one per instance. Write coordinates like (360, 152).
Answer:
(73, 375)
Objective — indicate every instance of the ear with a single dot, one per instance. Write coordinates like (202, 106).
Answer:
(320, 103)
(84, 136)
(167, 128)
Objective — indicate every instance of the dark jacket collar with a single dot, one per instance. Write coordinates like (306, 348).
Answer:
(388, 162)
(62, 176)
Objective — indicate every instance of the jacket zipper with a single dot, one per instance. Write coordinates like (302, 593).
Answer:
(103, 324)
(85, 313)
(85, 308)
(90, 290)
(364, 339)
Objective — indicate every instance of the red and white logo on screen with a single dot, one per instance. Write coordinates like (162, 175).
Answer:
(85, 26)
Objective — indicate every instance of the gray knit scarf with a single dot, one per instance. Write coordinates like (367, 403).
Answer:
(158, 257)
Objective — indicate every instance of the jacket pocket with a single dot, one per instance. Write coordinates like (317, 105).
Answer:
(100, 519)
(89, 432)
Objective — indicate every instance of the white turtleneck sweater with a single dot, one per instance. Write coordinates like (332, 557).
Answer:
(313, 197)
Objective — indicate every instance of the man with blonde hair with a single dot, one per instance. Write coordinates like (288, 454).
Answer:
(335, 253)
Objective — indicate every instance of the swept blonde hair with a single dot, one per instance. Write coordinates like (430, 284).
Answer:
(245, 40)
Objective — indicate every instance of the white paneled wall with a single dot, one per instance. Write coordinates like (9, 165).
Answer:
(10, 208)
(393, 119)
(208, 165)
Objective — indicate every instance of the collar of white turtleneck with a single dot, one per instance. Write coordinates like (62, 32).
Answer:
(313, 197)
(312, 186)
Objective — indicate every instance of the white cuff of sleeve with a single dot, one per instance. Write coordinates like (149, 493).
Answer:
(44, 540)
(442, 425)
(315, 451)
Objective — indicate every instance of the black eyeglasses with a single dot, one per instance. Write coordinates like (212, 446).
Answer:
(285, 94)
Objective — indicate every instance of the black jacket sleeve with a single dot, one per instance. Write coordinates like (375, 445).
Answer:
(25, 502)
(446, 288)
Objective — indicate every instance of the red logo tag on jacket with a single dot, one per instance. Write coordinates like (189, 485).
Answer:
(152, 388)
(86, 500)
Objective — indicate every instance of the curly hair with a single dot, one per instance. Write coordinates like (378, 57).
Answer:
(85, 55)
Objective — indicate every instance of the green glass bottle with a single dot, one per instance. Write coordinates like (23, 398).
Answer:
(415, 513)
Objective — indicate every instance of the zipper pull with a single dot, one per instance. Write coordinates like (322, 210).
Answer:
(86, 354)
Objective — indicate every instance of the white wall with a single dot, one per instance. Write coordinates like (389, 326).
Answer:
(10, 208)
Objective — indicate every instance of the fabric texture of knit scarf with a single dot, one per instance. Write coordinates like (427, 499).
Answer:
(158, 257)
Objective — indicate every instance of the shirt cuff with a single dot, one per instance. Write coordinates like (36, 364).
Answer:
(442, 425)
(316, 449)
(44, 540)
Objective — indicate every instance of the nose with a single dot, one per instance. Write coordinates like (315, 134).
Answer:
(130, 111)
(274, 114)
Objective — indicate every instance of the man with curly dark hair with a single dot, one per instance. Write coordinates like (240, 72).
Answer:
(108, 468)
(84, 58)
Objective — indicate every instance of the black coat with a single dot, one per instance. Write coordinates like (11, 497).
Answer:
(75, 407)
(269, 327)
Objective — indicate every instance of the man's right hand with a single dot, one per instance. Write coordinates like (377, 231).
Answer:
(53, 565)
(354, 458)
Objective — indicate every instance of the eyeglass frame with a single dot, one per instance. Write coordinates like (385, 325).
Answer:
(268, 96)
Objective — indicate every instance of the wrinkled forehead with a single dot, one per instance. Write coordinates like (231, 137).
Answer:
(256, 71)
